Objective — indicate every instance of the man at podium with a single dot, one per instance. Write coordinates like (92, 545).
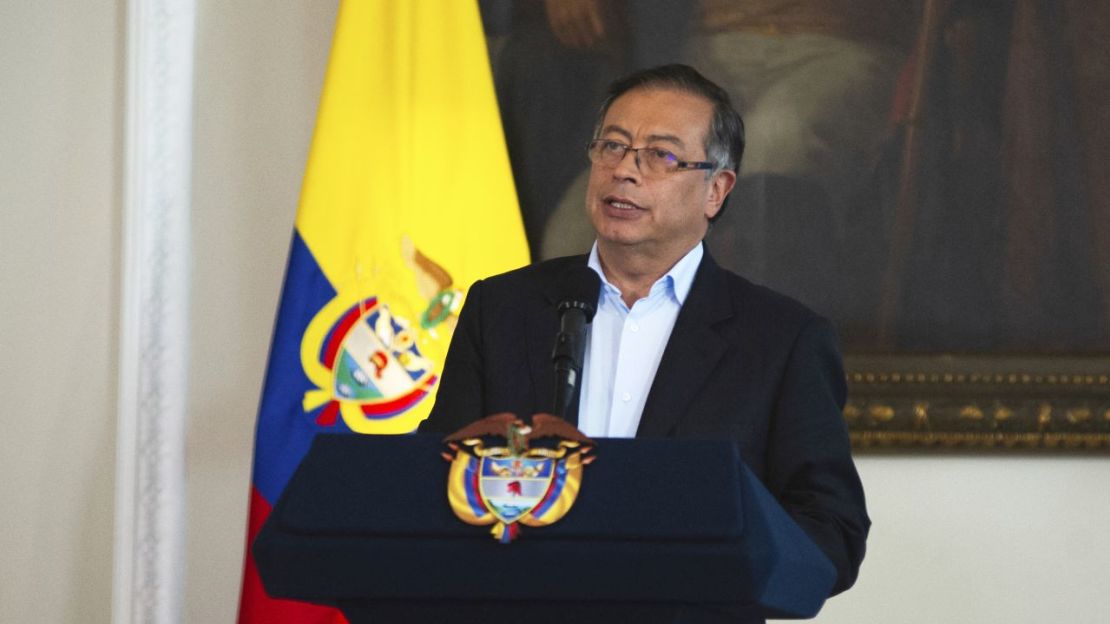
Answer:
(679, 347)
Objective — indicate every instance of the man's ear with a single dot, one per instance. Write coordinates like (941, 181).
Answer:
(719, 188)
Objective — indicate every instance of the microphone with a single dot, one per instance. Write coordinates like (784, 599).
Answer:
(580, 287)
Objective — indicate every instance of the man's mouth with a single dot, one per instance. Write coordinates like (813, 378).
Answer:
(620, 203)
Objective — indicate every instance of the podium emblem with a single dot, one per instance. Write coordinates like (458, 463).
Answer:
(512, 483)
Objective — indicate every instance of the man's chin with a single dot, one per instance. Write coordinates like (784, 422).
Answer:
(617, 237)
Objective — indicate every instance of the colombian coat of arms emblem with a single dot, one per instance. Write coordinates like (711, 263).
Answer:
(367, 362)
(512, 483)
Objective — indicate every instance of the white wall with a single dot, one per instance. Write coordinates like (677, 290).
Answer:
(60, 95)
(957, 538)
(982, 539)
(259, 71)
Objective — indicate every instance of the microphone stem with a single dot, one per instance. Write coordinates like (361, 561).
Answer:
(567, 358)
(566, 384)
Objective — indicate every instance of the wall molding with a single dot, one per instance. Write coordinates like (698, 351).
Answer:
(149, 552)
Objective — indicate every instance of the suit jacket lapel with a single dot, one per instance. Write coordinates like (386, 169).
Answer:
(540, 337)
(692, 352)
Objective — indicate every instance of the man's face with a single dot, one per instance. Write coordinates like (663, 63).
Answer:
(664, 215)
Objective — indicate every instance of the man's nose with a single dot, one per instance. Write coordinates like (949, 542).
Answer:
(629, 166)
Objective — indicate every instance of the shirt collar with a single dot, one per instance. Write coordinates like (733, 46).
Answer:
(678, 279)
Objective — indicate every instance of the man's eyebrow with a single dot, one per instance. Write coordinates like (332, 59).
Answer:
(652, 138)
(617, 129)
(669, 138)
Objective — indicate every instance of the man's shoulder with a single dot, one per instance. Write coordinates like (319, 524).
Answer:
(538, 275)
(760, 306)
(765, 316)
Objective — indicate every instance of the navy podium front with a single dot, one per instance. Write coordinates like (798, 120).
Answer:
(662, 530)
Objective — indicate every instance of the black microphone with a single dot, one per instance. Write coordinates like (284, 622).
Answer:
(580, 288)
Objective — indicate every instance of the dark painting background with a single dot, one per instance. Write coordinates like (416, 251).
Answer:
(931, 174)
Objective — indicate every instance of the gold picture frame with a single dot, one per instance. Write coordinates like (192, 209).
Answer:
(978, 401)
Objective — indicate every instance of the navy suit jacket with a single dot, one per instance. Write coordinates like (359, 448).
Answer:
(742, 363)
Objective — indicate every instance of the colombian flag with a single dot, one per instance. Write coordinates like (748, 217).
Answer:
(407, 199)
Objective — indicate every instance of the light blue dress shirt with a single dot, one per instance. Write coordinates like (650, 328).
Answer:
(624, 347)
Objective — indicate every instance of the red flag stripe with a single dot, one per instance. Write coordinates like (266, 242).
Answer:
(255, 605)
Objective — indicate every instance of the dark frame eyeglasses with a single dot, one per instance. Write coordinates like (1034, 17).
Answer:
(609, 153)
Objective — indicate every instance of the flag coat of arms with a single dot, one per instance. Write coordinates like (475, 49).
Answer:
(407, 199)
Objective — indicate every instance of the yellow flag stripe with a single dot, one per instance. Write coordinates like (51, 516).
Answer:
(408, 142)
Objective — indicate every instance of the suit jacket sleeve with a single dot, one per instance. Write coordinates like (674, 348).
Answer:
(809, 463)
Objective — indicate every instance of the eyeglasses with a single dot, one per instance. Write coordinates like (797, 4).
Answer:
(650, 160)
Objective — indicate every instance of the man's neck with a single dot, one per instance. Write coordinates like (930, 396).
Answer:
(634, 271)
